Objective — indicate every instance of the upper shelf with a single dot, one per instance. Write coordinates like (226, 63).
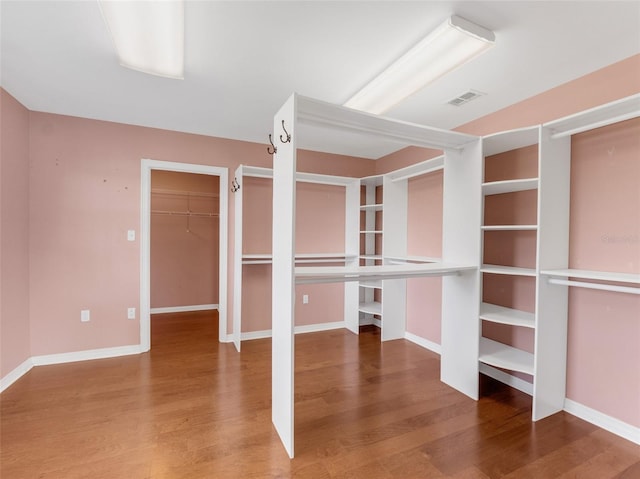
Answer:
(422, 168)
(594, 275)
(341, 274)
(614, 112)
(509, 186)
(259, 172)
(312, 111)
(510, 140)
(301, 258)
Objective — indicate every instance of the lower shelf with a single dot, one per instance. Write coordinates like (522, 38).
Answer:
(372, 308)
(503, 356)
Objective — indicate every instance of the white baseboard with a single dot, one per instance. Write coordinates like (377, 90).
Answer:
(183, 309)
(310, 328)
(611, 424)
(86, 355)
(425, 343)
(16, 374)
(60, 358)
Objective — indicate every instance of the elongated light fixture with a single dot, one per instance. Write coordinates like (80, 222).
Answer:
(452, 44)
(148, 34)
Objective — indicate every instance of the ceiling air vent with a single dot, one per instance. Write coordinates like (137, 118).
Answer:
(466, 97)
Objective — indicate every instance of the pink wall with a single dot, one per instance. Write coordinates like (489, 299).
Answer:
(424, 238)
(15, 345)
(184, 250)
(85, 195)
(603, 357)
(320, 228)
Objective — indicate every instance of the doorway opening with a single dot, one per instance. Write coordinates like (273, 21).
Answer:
(194, 211)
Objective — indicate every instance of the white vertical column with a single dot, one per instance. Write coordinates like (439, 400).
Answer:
(550, 366)
(283, 275)
(237, 261)
(462, 213)
(352, 247)
(394, 243)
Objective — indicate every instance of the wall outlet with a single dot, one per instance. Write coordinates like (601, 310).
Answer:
(131, 313)
(305, 299)
(131, 235)
(85, 315)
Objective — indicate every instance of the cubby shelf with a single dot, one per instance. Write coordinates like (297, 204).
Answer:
(503, 356)
(375, 207)
(510, 270)
(373, 284)
(500, 314)
(510, 228)
(509, 186)
(372, 307)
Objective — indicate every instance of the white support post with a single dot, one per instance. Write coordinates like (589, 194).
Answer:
(352, 246)
(283, 275)
(237, 262)
(462, 244)
(394, 243)
(549, 385)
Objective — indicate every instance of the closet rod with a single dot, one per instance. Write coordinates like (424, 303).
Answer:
(604, 287)
(184, 213)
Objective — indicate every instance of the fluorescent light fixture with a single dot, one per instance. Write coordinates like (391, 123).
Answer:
(148, 34)
(452, 44)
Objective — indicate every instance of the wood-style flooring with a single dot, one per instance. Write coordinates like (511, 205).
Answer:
(195, 408)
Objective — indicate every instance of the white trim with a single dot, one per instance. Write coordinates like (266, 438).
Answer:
(508, 379)
(608, 423)
(145, 240)
(308, 328)
(425, 343)
(314, 328)
(87, 355)
(16, 374)
(183, 309)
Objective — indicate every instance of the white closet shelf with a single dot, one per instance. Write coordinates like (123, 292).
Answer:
(376, 207)
(419, 169)
(510, 140)
(510, 228)
(373, 284)
(341, 274)
(411, 259)
(614, 112)
(502, 356)
(266, 258)
(373, 232)
(376, 257)
(510, 270)
(509, 186)
(500, 314)
(372, 307)
(301, 176)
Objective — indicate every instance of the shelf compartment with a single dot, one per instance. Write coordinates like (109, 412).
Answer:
(509, 228)
(510, 270)
(509, 186)
(375, 207)
(507, 357)
(500, 314)
(372, 307)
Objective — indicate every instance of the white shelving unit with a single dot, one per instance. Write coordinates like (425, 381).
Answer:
(348, 257)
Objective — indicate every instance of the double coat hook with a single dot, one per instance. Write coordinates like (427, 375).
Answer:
(286, 138)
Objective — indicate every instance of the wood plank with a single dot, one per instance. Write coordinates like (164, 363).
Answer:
(193, 407)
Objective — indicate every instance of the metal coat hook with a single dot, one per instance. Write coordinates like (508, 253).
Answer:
(275, 148)
(288, 140)
(235, 186)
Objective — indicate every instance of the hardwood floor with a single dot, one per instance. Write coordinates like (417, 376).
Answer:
(195, 408)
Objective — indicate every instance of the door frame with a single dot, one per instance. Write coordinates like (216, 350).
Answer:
(147, 166)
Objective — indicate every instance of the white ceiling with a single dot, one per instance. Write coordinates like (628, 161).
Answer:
(244, 59)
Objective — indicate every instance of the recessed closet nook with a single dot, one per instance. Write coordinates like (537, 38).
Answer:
(515, 245)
